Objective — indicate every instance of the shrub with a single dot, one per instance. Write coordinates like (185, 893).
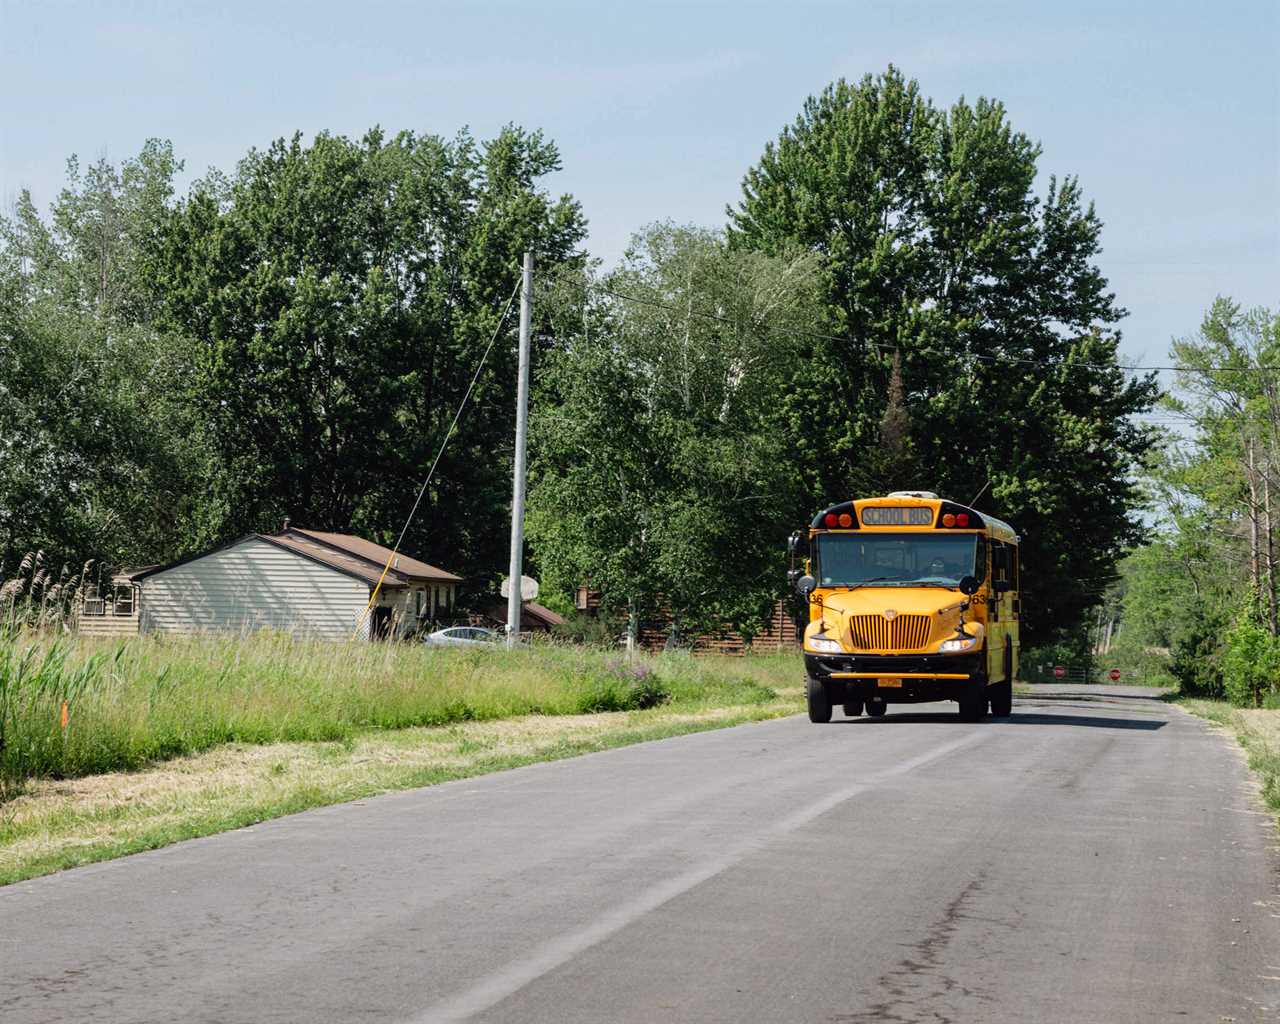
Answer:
(1073, 651)
(1251, 665)
(624, 686)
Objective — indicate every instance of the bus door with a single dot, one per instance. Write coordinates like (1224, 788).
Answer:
(1003, 597)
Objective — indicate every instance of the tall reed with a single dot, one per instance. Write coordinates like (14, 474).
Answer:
(33, 598)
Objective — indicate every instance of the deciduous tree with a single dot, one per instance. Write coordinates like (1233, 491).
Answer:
(341, 293)
(935, 246)
(661, 474)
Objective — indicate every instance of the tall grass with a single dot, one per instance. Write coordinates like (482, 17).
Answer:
(35, 598)
(131, 703)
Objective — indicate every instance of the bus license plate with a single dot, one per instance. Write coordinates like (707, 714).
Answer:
(892, 683)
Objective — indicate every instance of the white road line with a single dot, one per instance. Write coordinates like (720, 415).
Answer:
(555, 952)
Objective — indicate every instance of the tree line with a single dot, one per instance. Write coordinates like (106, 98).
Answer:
(1198, 603)
(890, 304)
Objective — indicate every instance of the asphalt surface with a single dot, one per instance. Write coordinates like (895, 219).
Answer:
(1100, 856)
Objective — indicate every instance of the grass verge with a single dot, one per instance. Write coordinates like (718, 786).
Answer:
(1258, 732)
(472, 718)
(70, 709)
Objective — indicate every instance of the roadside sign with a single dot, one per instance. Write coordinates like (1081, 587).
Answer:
(1114, 674)
(1059, 670)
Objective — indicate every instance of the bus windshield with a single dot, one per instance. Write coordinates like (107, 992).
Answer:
(888, 559)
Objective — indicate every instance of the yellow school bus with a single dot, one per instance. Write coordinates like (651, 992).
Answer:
(911, 598)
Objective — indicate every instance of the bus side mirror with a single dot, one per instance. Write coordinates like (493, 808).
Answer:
(969, 585)
(798, 545)
(805, 586)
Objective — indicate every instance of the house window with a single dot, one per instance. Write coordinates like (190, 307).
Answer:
(124, 601)
(580, 599)
(417, 602)
(94, 606)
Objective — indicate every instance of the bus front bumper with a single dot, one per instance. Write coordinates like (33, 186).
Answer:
(899, 678)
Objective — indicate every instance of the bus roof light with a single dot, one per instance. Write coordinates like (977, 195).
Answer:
(846, 520)
(948, 520)
(962, 519)
(830, 519)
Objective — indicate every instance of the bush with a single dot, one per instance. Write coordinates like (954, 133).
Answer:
(1251, 666)
(1035, 664)
(625, 686)
(588, 630)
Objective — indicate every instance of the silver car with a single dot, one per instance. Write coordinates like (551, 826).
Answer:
(461, 636)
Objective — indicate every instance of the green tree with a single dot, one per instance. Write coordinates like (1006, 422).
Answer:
(1229, 390)
(936, 248)
(1217, 486)
(341, 294)
(98, 455)
(660, 472)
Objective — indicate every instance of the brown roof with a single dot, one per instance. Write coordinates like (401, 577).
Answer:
(355, 553)
(529, 610)
(346, 564)
(346, 554)
(127, 574)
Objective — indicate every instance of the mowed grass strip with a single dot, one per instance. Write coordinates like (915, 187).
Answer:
(212, 734)
(60, 824)
(1258, 732)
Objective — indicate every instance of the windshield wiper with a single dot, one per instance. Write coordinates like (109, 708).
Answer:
(874, 579)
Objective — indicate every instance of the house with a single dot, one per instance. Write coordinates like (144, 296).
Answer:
(305, 582)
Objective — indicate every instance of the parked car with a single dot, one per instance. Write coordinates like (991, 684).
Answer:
(461, 636)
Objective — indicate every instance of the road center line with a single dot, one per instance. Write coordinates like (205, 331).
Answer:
(491, 990)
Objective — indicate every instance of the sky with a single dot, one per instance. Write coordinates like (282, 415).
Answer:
(1168, 111)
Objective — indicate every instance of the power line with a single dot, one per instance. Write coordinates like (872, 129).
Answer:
(885, 347)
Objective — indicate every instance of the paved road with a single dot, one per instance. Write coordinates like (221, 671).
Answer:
(1098, 857)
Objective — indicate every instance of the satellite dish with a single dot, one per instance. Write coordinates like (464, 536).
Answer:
(528, 588)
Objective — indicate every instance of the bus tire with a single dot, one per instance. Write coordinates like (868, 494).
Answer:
(877, 708)
(852, 708)
(819, 702)
(973, 702)
(1002, 693)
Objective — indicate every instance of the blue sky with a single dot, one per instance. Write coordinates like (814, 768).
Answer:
(1169, 112)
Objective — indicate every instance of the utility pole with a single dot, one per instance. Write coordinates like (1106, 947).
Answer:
(515, 601)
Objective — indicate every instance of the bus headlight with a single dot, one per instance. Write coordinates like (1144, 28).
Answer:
(825, 646)
(957, 644)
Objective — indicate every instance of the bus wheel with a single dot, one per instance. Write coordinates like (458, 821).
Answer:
(1002, 693)
(973, 702)
(819, 702)
(853, 708)
(877, 708)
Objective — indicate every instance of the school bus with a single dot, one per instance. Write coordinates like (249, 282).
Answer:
(911, 598)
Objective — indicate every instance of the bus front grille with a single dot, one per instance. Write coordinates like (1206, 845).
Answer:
(876, 633)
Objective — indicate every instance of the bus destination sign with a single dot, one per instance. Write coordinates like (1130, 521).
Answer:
(897, 515)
